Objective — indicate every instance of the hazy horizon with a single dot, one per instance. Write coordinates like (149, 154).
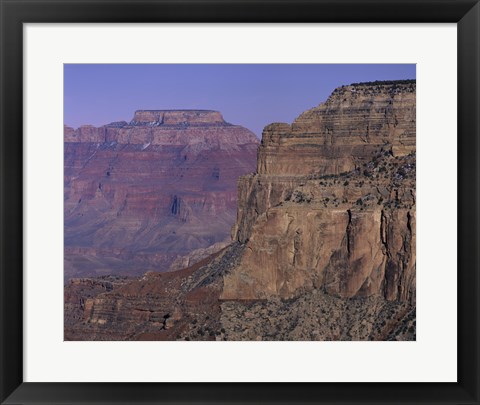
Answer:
(251, 95)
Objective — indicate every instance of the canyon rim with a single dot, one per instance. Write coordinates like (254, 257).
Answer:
(182, 226)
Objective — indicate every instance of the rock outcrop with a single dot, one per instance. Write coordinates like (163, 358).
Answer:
(323, 246)
(178, 305)
(342, 132)
(332, 205)
(139, 194)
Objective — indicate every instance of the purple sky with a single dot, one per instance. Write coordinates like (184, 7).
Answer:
(252, 95)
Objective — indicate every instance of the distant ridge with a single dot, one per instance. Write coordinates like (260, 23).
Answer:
(384, 82)
(177, 110)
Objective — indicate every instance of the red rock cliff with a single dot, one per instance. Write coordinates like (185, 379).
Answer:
(138, 194)
(324, 241)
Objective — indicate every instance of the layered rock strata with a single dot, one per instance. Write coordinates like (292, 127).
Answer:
(179, 305)
(139, 194)
(185, 305)
(332, 205)
(342, 132)
(324, 243)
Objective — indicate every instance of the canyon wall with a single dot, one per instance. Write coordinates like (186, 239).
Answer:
(139, 194)
(342, 132)
(332, 205)
(324, 245)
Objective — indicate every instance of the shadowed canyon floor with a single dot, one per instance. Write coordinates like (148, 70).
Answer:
(323, 245)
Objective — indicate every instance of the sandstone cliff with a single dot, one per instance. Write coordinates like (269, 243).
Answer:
(139, 194)
(342, 132)
(323, 246)
(332, 205)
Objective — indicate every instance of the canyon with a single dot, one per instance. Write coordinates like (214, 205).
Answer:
(138, 195)
(323, 246)
(332, 203)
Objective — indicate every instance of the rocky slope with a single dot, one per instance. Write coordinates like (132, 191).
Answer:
(324, 243)
(139, 194)
(158, 306)
(195, 256)
(185, 305)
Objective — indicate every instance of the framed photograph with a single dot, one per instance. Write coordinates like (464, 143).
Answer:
(219, 202)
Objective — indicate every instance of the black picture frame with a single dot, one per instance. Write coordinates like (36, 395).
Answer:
(465, 13)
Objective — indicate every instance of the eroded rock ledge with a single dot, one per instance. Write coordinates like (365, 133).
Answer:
(166, 127)
(332, 205)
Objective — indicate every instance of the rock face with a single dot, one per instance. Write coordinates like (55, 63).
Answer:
(345, 130)
(79, 291)
(139, 194)
(323, 246)
(332, 205)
